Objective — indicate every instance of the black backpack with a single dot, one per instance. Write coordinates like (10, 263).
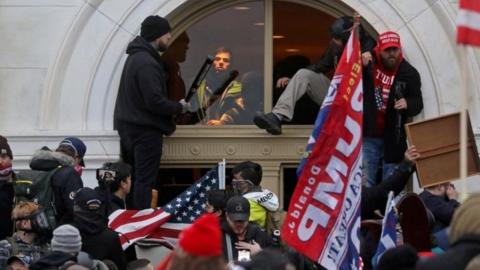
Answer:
(35, 186)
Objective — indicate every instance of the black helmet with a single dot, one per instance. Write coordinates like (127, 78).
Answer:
(339, 28)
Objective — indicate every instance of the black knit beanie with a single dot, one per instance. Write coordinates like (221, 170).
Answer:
(5, 147)
(339, 28)
(154, 27)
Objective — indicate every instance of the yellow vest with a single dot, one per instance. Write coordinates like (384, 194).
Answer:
(258, 214)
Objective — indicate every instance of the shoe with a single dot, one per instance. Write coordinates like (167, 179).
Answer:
(268, 121)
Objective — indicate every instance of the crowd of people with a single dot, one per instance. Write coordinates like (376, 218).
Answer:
(49, 220)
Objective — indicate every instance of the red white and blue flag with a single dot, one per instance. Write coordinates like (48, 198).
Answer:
(323, 218)
(388, 238)
(162, 225)
(468, 24)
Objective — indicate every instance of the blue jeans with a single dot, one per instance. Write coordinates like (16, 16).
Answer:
(373, 160)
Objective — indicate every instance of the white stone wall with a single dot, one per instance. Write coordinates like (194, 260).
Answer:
(60, 63)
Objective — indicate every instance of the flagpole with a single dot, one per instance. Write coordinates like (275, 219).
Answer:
(221, 172)
(463, 120)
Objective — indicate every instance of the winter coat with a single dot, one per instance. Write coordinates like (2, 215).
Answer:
(254, 232)
(65, 182)
(331, 56)
(142, 96)
(261, 201)
(455, 258)
(97, 239)
(375, 198)
(52, 260)
(407, 80)
(441, 207)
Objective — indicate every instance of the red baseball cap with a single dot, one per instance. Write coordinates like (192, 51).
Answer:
(388, 39)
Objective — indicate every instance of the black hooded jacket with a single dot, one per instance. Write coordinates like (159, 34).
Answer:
(97, 239)
(142, 99)
(64, 182)
(254, 232)
(52, 260)
(456, 257)
(376, 197)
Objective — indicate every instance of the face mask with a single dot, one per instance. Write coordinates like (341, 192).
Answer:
(79, 169)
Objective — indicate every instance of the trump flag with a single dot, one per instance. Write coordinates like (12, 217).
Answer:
(323, 218)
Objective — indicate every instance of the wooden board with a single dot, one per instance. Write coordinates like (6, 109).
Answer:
(438, 142)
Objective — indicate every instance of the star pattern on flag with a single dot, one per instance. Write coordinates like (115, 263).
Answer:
(187, 206)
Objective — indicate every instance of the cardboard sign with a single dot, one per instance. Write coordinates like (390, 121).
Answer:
(438, 142)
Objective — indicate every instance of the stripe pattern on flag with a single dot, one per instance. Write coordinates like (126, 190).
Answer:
(468, 22)
(133, 225)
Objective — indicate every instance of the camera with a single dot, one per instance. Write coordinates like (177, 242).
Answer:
(106, 175)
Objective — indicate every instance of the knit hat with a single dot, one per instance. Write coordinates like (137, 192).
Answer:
(66, 238)
(203, 237)
(388, 39)
(154, 27)
(5, 147)
(78, 147)
(466, 219)
(238, 209)
(5, 171)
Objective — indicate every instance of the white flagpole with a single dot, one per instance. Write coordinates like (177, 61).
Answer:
(463, 120)
(221, 174)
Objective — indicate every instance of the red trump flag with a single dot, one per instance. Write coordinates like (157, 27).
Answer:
(323, 218)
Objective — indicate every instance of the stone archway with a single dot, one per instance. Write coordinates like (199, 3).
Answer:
(89, 62)
(81, 84)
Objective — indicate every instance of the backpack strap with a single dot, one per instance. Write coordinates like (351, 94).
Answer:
(14, 245)
(228, 239)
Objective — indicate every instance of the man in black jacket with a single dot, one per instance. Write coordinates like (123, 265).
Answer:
(97, 239)
(6, 188)
(442, 201)
(66, 179)
(119, 187)
(239, 234)
(312, 80)
(143, 113)
(376, 197)
(391, 94)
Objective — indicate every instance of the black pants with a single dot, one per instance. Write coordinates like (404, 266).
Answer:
(142, 149)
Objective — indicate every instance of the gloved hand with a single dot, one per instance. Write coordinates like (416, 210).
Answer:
(186, 106)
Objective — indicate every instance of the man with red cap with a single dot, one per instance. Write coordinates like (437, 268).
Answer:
(199, 247)
(391, 90)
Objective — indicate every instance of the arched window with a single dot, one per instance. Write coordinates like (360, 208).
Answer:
(263, 41)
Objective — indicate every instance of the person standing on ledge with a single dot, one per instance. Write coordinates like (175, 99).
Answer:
(143, 113)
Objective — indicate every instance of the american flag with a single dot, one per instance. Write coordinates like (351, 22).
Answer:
(469, 22)
(388, 238)
(133, 225)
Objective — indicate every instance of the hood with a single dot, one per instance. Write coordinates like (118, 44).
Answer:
(264, 197)
(89, 222)
(139, 44)
(54, 258)
(45, 160)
